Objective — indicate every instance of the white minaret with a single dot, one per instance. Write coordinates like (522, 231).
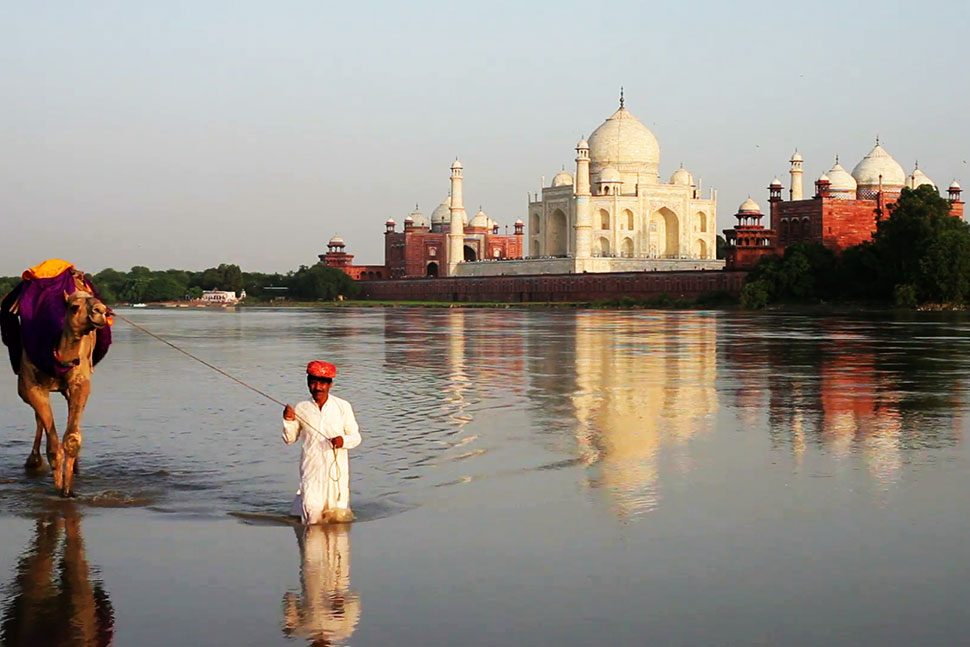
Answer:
(456, 230)
(584, 223)
(795, 193)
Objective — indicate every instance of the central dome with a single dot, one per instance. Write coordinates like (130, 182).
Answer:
(879, 163)
(624, 143)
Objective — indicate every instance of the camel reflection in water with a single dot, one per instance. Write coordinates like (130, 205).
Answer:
(326, 611)
(53, 599)
(643, 383)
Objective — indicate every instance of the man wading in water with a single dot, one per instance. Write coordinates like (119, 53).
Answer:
(329, 429)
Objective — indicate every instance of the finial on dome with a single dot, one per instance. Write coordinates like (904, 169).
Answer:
(917, 165)
(877, 139)
(836, 158)
(621, 96)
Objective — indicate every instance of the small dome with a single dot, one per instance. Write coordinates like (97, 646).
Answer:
(456, 164)
(418, 218)
(776, 183)
(390, 221)
(682, 177)
(749, 206)
(562, 178)
(824, 178)
(519, 221)
(797, 157)
(336, 241)
(955, 186)
(918, 178)
(879, 163)
(583, 144)
(840, 180)
(408, 219)
(442, 213)
(481, 219)
(609, 174)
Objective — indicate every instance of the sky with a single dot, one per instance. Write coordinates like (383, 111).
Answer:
(187, 134)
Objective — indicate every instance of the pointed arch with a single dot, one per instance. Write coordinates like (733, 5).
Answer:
(630, 220)
(536, 249)
(557, 236)
(627, 248)
(701, 248)
(604, 219)
(666, 236)
(700, 221)
(603, 246)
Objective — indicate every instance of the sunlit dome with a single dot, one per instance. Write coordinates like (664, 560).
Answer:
(840, 180)
(562, 178)
(456, 164)
(682, 177)
(797, 157)
(879, 163)
(624, 143)
(481, 219)
(582, 144)
(749, 206)
(336, 241)
(823, 178)
(955, 186)
(442, 213)
(418, 218)
(918, 178)
(609, 174)
(775, 183)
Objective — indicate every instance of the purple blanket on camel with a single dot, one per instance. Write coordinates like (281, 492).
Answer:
(38, 321)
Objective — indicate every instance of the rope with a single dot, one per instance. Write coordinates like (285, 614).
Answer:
(335, 479)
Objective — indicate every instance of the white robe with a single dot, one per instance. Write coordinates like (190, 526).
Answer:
(324, 494)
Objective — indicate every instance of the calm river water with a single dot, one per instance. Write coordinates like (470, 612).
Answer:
(527, 477)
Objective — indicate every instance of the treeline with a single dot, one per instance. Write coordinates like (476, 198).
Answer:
(919, 254)
(141, 284)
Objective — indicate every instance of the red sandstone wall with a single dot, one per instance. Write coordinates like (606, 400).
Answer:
(846, 223)
(558, 288)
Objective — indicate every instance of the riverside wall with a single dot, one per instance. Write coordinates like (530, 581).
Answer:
(557, 287)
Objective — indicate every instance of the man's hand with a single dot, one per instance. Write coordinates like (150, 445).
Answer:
(289, 413)
(337, 442)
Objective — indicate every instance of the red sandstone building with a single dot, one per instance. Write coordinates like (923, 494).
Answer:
(842, 213)
(338, 258)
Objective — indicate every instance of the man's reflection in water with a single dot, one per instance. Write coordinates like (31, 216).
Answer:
(52, 599)
(327, 611)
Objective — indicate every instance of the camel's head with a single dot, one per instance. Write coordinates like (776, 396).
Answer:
(85, 312)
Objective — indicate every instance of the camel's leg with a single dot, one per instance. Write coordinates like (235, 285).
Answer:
(77, 399)
(39, 400)
(34, 462)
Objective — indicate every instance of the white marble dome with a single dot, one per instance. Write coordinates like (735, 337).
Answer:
(442, 213)
(879, 163)
(562, 178)
(623, 142)
(840, 180)
(609, 174)
(776, 183)
(418, 218)
(918, 178)
(481, 219)
(955, 186)
(749, 206)
(797, 157)
(336, 241)
(682, 177)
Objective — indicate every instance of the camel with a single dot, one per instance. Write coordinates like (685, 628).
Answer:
(70, 363)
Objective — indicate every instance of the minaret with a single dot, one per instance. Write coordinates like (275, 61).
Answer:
(795, 193)
(456, 230)
(584, 223)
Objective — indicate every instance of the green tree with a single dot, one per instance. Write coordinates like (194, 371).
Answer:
(321, 282)
(163, 287)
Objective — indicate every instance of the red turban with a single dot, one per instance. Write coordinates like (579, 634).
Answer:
(317, 368)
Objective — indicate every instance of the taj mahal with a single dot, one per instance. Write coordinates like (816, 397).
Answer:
(616, 214)
(613, 214)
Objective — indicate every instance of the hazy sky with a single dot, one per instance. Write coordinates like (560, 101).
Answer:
(185, 134)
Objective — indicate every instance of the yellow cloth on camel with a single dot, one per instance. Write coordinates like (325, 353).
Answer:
(47, 270)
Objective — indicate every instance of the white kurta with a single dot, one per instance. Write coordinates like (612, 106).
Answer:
(324, 493)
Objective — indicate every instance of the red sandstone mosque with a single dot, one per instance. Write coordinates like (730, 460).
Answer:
(842, 213)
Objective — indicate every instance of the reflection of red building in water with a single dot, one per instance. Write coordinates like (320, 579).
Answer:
(842, 213)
